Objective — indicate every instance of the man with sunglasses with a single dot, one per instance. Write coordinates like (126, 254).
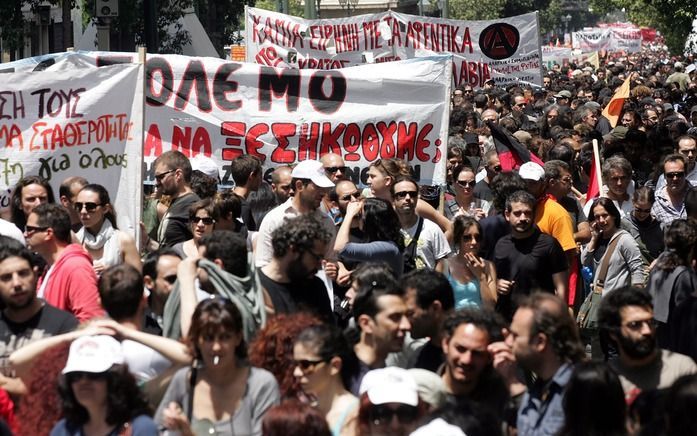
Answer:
(626, 316)
(670, 200)
(159, 276)
(493, 167)
(686, 145)
(69, 283)
(25, 318)
(173, 178)
(431, 245)
(335, 169)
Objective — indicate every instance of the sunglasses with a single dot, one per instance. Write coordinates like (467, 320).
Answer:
(170, 279)
(206, 220)
(306, 365)
(77, 375)
(383, 415)
(333, 170)
(466, 183)
(637, 325)
(401, 195)
(32, 229)
(161, 176)
(356, 195)
(497, 168)
(89, 206)
(675, 175)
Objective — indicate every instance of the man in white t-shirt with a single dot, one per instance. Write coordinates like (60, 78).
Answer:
(431, 246)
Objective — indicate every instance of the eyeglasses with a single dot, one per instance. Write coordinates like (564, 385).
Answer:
(466, 183)
(31, 229)
(637, 325)
(161, 176)
(77, 375)
(469, 91)
(307, 365)
(675, 175)
(356, 195)
(89, 206)
(206, 220)
(315, 256)
(401, 195)
(383, 415)
(520, 104)
(170, 279)
(566, 180)
(333, 170)
(497, 168)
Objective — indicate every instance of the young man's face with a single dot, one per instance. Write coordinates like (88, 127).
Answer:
(17, 282)
(405, 197)
(390, 325)
(466, 354)
(637, 334)
(521, 217)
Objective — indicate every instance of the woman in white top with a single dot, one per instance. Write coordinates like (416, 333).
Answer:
(99, 235)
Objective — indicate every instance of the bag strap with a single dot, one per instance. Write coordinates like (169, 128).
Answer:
(192, 386)
(602, 273)
(410, 249)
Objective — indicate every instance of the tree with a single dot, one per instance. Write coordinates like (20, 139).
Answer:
(476, 9)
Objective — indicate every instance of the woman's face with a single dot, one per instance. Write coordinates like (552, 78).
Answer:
(218, 349)
(552, 117)
(470, 240)
(311, 371)
(32, 196)
(604, 220)
(378, 182)
(464, 185)
(392, 419)
(201, 224)
(90, 389)
(642, 209)
(90, 209)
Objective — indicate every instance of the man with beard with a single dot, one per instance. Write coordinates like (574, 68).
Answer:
(468, 372)
(626, 315)
(544, 340)
(310, 184)
(25, 318)
(289, 279)
(381, 317)
(526, 260)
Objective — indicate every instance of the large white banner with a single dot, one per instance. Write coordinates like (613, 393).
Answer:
(76, 122)
(506, 50)
(224, 109)
(611, 39)
(556, 55)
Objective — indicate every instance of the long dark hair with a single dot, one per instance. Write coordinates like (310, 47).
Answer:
(124, 400)
(609, 206)
(18, 217)
(381, 222)
(329, 342)
(680, 239)
(104, 200)
(585, 414)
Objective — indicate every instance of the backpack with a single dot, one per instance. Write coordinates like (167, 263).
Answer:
(410, 250)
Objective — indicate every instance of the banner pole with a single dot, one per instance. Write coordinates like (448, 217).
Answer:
(598, 169)
(142, 55)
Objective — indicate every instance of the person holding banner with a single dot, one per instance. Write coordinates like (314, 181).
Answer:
(99, 235)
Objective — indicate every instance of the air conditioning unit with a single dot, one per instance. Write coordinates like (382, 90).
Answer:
(106, 8)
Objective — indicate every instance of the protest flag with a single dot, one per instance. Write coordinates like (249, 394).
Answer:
(613, 109)
(512, 154)
(595, 180)
(594, 60)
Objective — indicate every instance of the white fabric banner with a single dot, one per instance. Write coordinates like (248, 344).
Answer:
(223, 109)
(506, 50)
(75, 122)
(611, 39)
(555, 55)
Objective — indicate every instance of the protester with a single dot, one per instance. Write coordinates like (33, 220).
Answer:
(464, 202)
(202, 219)
(67, 195)
(645, 228)
(294, 417)
(70, 282)
(99, 234)
(99, 395)
(28, 193)
(221, 393)
(472, 278)
(670, 200)
(247, 174)
(324, 364)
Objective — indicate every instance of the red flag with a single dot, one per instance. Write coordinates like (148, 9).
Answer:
(594, 178)
(512, 154)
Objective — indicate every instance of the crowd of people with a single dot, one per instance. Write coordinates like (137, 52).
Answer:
(508, 301)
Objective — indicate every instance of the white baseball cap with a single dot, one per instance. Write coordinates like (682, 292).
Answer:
(206, 165)
(531, 171)
(314, 171)
(93, 354)
(440, 427)
(390, 385)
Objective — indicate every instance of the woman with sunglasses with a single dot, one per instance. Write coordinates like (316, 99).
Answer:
(383, 240)
(202, 219)
(464, 202)
(324, 364)
(472, 277)
(100, 396)
(221, 394)
(99, 234)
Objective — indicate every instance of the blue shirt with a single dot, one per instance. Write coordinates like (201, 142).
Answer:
(541, 412)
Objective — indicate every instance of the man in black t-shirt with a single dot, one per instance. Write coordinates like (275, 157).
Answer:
(289, 280)
(526, 260)
(25, 318)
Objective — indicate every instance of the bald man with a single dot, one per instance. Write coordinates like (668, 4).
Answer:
(281, 183)
(334, 167)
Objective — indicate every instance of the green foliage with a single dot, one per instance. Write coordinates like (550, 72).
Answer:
(296, 9)
(476, 9)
